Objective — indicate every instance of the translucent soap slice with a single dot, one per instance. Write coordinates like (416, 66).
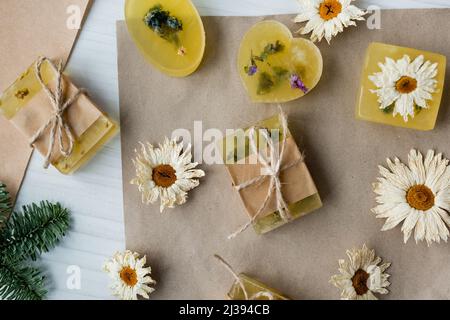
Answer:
(169, 33)
(368, 107)
(254, 289)
(276, 67)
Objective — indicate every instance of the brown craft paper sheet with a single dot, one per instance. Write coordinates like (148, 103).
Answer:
(342, 154)
(28, 28)
(80, 116)
(296, 181)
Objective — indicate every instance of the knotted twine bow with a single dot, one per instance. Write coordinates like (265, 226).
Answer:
(56, 122)
(272, 167)
(256, 296)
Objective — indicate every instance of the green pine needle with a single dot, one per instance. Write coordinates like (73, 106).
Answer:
(20, 282)
(34, 231)
(5, 204)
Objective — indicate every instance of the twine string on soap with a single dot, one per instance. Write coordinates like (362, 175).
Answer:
(257, 295)
(56, 122)
(272, 166)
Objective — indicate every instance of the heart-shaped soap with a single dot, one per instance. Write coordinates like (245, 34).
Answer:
(169, 33)
(276, 67)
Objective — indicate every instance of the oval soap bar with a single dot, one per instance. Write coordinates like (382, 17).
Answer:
(169, 33)
(276, 67)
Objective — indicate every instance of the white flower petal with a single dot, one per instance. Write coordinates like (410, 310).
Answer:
(424, 72)
(432, 172)
(398, 214)
(171, 153)
(320, 28)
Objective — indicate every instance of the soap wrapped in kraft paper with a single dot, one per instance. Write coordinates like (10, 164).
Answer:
(56, 117)
(269, 173)
(247, 288)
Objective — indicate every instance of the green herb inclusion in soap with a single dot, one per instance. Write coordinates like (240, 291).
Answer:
(163, 24)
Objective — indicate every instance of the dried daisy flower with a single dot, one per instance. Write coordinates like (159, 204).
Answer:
(361, 277)
(418, 194)
(165, 172)
(129, 275)
(404, 85)
(326, 18)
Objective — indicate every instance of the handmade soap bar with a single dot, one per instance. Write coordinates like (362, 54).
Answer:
(276, 67)
(254, 289)
(298, 187)
(28, 107)
(401, 86)
(169, 33)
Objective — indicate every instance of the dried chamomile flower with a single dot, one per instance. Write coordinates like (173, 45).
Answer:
(129, 275)
(165, 172)
(326, 18)
(418, 194)
(361, 277)
(404, 85)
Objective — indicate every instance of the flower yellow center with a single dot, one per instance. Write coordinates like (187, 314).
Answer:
(330, 9)
(129, 276)
(420, 197)
(406, 84)
(359, 281)
(164, 175)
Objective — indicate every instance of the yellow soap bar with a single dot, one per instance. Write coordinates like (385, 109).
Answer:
(26, 87)
(276, 67)
(255, 290)
(169, 33)
(235, 148)
(86, 146)
(297, 210)
(368, 106)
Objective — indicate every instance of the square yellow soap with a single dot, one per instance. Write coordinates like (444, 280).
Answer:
(368, 104)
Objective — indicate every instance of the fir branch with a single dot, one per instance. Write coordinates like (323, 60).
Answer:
(5, 205)
(34, 231)
(19, 282)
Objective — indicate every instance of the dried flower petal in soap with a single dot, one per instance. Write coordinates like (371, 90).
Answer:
(164, 25)
(405, 86)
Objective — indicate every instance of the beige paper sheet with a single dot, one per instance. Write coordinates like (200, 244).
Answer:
(341, 153)
(28, 28)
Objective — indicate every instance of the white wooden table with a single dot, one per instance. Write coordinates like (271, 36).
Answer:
(94, 194)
